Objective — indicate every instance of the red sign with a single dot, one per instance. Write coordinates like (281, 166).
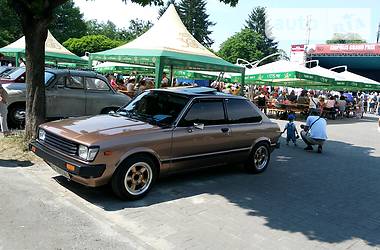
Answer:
(298, 48)
(345, 49)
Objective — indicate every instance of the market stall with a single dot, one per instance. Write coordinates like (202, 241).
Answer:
(168, 44)
(54, 52)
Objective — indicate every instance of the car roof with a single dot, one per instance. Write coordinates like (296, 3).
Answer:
(85, 73)
(197, 92)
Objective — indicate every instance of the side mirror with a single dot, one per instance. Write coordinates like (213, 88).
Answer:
(200, 126)
(112, 112)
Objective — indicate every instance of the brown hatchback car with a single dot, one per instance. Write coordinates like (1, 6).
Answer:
(159, 132)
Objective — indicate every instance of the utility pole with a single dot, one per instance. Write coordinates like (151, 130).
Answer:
(308, 29)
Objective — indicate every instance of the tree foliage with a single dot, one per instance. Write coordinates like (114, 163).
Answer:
(91, 43)
(339, 38)
(258, 22)
(110, 30)
(162, 10)
(10, 28)
(68, 22)
(246, 44)
(194, 17)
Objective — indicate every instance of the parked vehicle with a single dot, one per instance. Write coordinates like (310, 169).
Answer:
(4, 70)
(13, 75)
(68, 93)
(159, 132)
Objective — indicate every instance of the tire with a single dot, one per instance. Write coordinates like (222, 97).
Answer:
(16, 116)
(259, 158)
(107, 110)
(128, 180)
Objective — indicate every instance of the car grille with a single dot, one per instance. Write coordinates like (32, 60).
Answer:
(61, 144)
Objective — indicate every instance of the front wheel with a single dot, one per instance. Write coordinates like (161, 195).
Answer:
(16, 116)
(134, 178)
(259, 159)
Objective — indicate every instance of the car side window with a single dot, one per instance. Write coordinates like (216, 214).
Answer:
(241, 111)
(74, 82)
(207, 112)
(61, 81)
(96, 84)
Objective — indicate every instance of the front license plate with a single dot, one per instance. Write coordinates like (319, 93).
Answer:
(60, 171)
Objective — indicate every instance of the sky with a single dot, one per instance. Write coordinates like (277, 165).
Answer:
(287, 18)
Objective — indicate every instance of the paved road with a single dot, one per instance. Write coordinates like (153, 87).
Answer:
(304, 201)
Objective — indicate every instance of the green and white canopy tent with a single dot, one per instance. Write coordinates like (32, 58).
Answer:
(285, 73)
(357, 82)
(345, 81)
(54, 52)
(201, 75)
(122, 68)
(168, 44)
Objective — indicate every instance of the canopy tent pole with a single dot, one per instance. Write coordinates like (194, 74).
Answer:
(158, 73)
(242, 89)
(90, 61)
(171, 76)
(17, 60)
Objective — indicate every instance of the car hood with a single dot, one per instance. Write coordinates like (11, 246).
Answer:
(91, 130)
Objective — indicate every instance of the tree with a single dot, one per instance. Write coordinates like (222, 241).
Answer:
(91, 43)
(162, 10)
(68, 22)
(246, 44)
(138, 27)
(347, 38)
(194, 17)
(10, 28)
(258, 22)
(35, 18)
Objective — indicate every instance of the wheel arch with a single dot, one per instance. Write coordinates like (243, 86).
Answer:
(141, 152)
(265, 140)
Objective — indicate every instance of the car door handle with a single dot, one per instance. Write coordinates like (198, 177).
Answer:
(225, 130)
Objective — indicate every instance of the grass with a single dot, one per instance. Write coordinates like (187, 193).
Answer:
(14, 147)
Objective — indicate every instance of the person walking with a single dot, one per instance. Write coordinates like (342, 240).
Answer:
(291, 130)
(315, 131)
(3, 112)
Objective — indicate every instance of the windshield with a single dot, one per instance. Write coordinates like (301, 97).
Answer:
(156, 107)
(14, 73)
(48, 77)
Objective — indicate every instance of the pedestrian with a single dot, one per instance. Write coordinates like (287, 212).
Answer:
(315, 131)
(291, 130)
(3, 112)
(165, 81)
(262, 101)
(313, 102)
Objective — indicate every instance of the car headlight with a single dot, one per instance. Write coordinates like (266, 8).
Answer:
(41, 134)
(87, 153)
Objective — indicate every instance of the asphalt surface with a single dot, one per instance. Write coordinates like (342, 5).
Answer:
(304, 200)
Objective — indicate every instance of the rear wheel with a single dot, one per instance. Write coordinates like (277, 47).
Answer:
(16, 116)
(134, 178)
(259, 158)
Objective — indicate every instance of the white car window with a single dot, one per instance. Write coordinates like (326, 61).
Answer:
(96, 84)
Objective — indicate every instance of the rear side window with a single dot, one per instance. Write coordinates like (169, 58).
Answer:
(207, 112)
(241, 111)
(74, 82)
(96, 84)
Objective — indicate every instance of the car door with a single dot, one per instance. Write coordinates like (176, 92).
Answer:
(67, 97)
(246, 126)
(201, 138)
(98, 95)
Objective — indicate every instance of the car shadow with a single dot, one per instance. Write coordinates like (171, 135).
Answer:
(15, 164)
(331, 197)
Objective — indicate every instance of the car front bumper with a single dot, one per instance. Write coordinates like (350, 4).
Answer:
(79, 171)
